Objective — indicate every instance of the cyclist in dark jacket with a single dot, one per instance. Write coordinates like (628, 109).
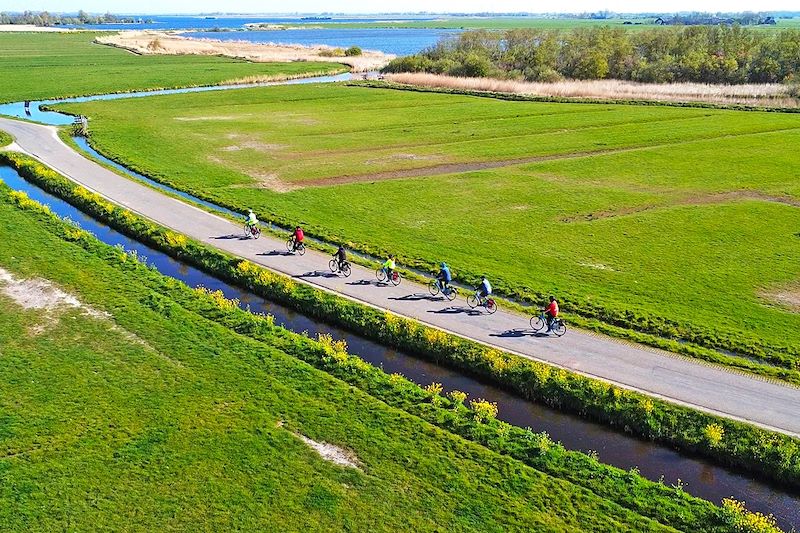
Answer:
(340, 256)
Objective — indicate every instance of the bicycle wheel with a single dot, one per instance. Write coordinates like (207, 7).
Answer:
(301, 249)
(290, 245)
(346, 270)
(333, 264)
(537, 323)
(559, 328)
(396, 279)
(472, 301)
(246, 231)
(380, 275)
(491, 306)
(433, 287)
(256, 232)
(451, 293)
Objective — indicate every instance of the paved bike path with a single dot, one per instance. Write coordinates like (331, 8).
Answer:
(707, 387)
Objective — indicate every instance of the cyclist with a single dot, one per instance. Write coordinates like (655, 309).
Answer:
(551, 312)
(340, 256)
(297, 238)
(485, 288)
(389, 266)
(252, 221)
(444, 276)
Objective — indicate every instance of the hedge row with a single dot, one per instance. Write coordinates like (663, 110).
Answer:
(668, 505)
(769, 454)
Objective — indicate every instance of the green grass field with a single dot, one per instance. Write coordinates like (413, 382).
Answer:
(134, 413)
(5, 139)
(685, 214)
(57, 65)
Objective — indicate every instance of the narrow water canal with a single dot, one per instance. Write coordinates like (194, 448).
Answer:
(653, 460)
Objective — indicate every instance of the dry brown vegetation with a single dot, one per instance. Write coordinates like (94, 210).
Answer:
(767, 94)
(152, 42)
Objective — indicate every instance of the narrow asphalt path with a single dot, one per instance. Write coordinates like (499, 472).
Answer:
(710, 388)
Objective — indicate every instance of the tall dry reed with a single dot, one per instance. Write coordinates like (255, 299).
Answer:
(767, 94)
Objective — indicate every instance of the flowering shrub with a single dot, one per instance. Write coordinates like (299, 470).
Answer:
(483, 411)
(745, 521)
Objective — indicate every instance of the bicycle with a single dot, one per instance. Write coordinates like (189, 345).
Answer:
(558, 326)
(344, 269)
(383, 277)
(476, 300)
(449, 292)
(252, 231)
(300, 249)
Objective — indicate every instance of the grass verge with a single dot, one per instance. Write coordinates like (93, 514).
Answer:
(768, 454)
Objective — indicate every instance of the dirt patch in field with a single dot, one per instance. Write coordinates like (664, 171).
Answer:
(400, 157)
(446, 168)
(787, 297)
(332, 453)
(253, 145)
(41, 294)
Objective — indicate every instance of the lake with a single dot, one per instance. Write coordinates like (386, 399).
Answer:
(399, 41)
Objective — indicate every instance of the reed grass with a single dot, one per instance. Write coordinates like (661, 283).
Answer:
(769, 94)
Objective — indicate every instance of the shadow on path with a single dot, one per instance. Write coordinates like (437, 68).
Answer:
(317, 274)
(457, 310)
(417, 297)
(232, 236)
(277, 252)
(363, 282)
(512, 333)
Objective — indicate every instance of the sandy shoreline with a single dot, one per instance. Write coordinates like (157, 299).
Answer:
(169, 43)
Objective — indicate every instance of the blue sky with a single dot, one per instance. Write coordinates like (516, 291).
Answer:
(372, 6)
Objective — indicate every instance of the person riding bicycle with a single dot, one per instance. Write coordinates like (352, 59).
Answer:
(551, 312)
(389, 266)
(485, 288)
(444, 276)
(340, 256)
(297, 238)
(252, 221)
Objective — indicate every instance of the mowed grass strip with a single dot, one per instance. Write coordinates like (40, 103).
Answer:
(58, 65)
(683, 214)
(153, 416)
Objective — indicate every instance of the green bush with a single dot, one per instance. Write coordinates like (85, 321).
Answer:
(353, 51)
(332, 52)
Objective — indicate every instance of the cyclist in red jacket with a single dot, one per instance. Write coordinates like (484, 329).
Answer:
(551, 311)
(297, 237)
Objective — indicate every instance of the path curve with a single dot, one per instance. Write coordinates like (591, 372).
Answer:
(675, 378)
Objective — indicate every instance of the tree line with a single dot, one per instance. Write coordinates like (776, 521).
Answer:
(44, 18)
(706, 54)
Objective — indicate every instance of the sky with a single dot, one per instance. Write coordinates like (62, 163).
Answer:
(386, 6)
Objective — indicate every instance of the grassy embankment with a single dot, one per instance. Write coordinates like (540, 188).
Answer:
(153, 415)
(137, 292)
(727, 442)
(5, 139)
(58, 65)
(680, 222)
